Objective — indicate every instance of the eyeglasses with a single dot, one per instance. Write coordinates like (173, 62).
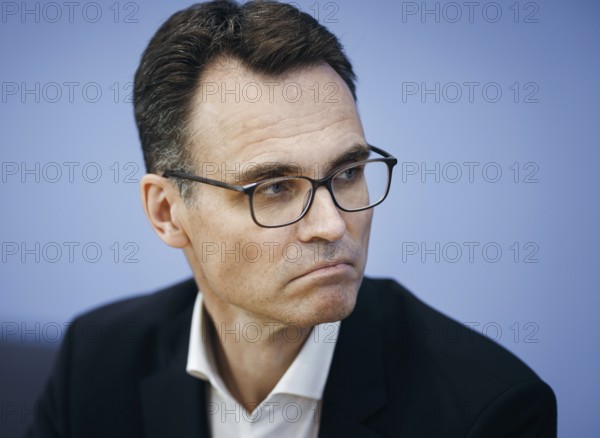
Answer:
(280, 201)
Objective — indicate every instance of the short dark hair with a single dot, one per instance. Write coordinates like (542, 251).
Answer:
(266, 36)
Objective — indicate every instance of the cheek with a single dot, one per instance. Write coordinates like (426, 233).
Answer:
(360, 232)
(359, 225)
(237, 258)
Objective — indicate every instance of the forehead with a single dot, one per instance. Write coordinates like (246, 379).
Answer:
(241, 116)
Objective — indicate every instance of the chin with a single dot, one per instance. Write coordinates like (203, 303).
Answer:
(328, 304)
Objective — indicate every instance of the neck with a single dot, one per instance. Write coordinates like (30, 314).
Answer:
(251, 356)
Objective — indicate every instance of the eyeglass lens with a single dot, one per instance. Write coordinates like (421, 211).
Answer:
(283, 200)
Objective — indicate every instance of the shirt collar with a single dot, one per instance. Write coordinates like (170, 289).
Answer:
(305, 377)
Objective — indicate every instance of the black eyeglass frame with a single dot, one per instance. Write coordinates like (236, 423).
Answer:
(249, 189)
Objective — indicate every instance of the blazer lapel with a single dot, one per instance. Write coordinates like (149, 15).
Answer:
(355, 386)
(173, 402)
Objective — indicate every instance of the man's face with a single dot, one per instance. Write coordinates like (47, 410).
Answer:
(240, 122)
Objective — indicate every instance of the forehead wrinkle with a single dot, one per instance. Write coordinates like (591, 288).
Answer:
(284, 128)
(269, 137)
(244, 140)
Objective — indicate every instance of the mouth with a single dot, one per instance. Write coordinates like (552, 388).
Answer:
(324, 271)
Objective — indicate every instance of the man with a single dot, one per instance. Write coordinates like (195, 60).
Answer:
(260, 171)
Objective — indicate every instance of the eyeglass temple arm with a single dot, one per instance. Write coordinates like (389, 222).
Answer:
(201, 179)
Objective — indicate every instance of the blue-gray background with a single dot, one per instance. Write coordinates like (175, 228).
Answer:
(533, 70)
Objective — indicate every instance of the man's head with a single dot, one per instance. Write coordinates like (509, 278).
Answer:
(267, 37)
(226, 90)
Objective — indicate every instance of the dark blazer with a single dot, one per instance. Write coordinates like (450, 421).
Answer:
(400, 368)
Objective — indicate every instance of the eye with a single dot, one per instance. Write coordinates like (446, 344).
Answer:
(349, 174)
(273, 189)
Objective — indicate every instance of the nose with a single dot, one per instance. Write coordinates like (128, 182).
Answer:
(323, 221)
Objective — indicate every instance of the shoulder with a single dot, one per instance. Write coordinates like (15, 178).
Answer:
(440, 367)
(131, 324)
(423, 328)
(105, 355)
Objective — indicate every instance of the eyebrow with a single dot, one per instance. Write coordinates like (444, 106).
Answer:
(357, 152)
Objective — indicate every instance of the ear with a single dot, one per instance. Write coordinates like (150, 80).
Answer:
(164, 207)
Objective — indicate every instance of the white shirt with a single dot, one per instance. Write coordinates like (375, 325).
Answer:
(292, 408)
